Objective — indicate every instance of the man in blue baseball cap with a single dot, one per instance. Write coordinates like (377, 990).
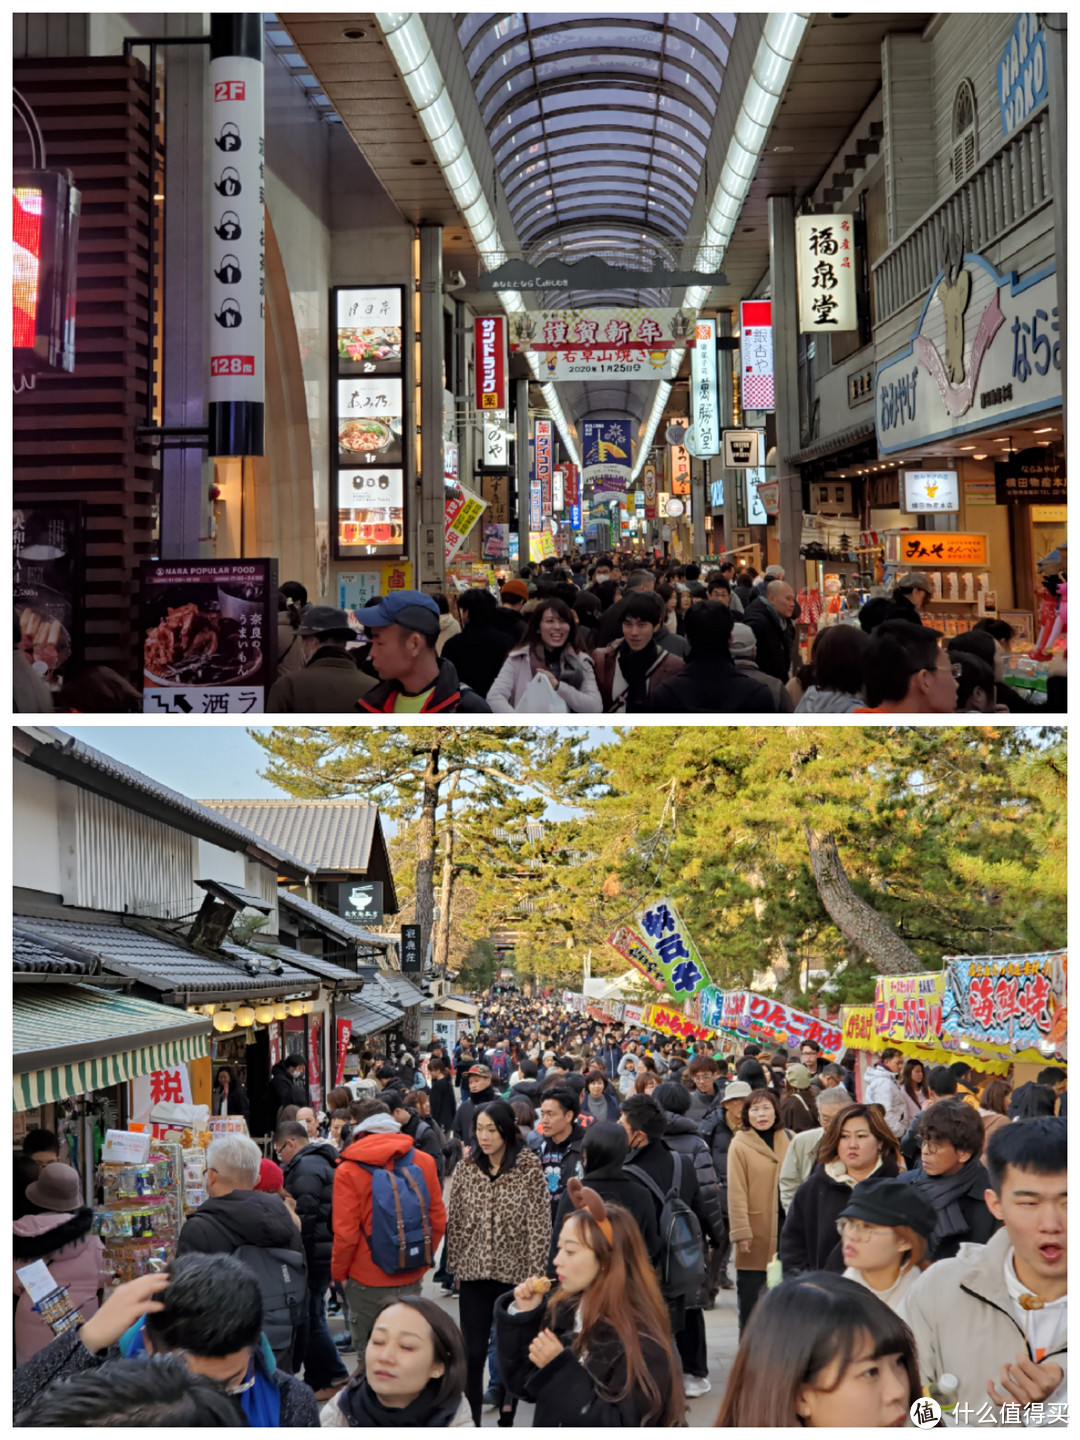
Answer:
(404, 627)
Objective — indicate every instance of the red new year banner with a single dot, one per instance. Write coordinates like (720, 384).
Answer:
(344, 1034)
(490, 337)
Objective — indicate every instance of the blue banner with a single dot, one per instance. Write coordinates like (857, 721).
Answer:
(607, 456)
(575, 517)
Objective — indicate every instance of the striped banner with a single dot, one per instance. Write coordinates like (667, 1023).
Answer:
(43, 1087)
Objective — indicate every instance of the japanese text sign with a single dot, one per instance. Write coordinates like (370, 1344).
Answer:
(555, 331)
(543, 464)
(825, 259)
(496, 439)
(648, 483)
(857, 1028)
(756, 344)
(683, 968)
(929, 491)
(733, 1006)
(711, 1006)
(463, 509)
(670, 1022)
(632, 947)
(908, 1007)
(1007, 1001)
(704, 393)
(1035, 474)
(781, 1024)
(490, 336)
(937, 547)
(1023, 78)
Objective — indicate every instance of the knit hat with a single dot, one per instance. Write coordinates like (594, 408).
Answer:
(271, 1178)
(56, 1188)
(516, 587)
(737, 1090)
(883, 1200)
(743, 642)
(798, 1077)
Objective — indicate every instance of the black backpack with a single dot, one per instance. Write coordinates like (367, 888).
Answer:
(681, 1265)
(282, 1278)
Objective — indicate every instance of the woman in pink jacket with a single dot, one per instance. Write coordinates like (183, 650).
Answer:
(60, 1234)
(550, 649)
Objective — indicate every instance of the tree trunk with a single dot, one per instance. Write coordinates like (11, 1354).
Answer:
(867, 930)
(441, 956)
(425, 851)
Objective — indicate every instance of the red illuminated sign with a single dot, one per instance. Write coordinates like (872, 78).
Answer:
(490, 332)
(26, 264)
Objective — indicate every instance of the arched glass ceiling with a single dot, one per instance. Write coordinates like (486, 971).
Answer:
(598, 125)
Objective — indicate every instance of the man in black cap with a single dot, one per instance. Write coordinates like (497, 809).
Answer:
(329, 681)
(909, 598)
(404, 628)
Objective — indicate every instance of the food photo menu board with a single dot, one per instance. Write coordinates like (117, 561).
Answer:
(371, 456)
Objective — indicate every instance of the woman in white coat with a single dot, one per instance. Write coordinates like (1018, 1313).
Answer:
(550, 651)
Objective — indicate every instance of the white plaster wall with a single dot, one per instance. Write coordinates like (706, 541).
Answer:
(35, 852)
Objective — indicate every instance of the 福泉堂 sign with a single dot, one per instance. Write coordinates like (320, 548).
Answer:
(986, 349)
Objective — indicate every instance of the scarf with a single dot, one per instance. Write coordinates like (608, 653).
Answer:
(362, 1407)
(945, 1193)
(635, 666)
(563, 664)
(261, 1404)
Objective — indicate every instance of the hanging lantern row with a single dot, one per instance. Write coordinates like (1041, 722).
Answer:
(245, 1016)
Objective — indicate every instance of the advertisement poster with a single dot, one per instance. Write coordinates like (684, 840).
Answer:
(593, 362)
(756, 344)
(490, 340)
(780, 1024)
(356, 588)
(683, 968)
(314, 1076)
(541, 545)
(606, 458)
(209, 635)
(711, 1006)
(632, 947)
(369, 331)
(648, 481)
(908, 1007)
(1007, 1002)
(463, 510)
(371, 511)
(47, 558)
(652, 328)
(396, 575)
(496, 542)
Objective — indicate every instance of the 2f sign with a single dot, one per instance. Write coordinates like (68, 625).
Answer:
(228, 90)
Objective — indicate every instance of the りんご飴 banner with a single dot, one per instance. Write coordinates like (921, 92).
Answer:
(682, 967)
(774, 1021)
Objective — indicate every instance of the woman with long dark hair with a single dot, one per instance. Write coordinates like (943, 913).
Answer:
(756, 1153)
(551, 648)
(913, 1084)
(603, 1154)
(823, 1352)
(994, 1108)
(857, 1144)
(230, 1097)
(600, 1351)
(498, 1232)
(414, 1372)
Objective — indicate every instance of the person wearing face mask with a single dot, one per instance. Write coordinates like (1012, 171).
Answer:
(598, 1350)
(754, 1215)
(329, 681)
(856, 1145)
(550, 650)
(414, 1372)
(822, 1351)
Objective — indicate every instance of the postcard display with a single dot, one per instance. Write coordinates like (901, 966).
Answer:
(371, 436)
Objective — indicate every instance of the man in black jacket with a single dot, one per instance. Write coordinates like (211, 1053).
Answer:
(481, 1092)
(477, 654)
(441, 1095)
(309, 1167)
(287, 1087)
(952, 1176)
(769, 617)
(710, 681)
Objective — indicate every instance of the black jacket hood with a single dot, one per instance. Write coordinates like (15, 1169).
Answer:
(48, 1242)
(248, 1217)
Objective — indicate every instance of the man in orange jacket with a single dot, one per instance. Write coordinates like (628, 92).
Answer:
(377, 1140)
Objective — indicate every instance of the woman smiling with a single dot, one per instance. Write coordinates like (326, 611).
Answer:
(549, 649)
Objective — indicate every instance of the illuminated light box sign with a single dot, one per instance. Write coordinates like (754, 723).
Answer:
(369, 331)
(44, 241)
(490, 341)
(928, 547)
(370, 511)
(704, 394)
(929, 492)
(756, 344)
(542, 447)
(824, 257)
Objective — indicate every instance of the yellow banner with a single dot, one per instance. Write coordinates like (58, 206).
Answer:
(908, 1007)
(670, 1021)
(857, 1027)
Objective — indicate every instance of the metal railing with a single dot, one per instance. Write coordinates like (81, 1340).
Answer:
(1008, 187)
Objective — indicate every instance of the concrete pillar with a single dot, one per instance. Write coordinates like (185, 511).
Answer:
(699, 499)
(185, 471)
(725, 367)
(521, 463)
(1057, 36)
(785, 317)
(430, 565)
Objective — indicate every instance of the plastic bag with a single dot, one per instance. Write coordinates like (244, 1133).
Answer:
(539, 698)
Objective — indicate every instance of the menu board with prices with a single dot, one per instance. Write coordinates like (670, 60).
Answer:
(371, 458)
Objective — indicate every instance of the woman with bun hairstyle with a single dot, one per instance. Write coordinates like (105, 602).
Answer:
(551, 648)
(824, 1352)
(599, 1351)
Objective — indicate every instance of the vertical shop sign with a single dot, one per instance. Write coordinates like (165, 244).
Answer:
(825, 260)
(496, 440)
(236, 282)
(572, 485)
(209, 636)
(314, 1035)
(463, 509)
(558, 490)
(344, 1034)
(543, 465)
(704, 406)
(275, 1043)
(490, 338)
(411, 959)
(756, 343)
(648, 481)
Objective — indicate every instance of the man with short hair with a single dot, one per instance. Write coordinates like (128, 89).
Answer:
(628, 671)
(907, 673)
(478, 652)
(328, 681)
(744, 653)
(769, 617)
(207, 1311)
(709, 682)
(881, 1087)
(306, 1117)
(952, 1176)
(404, 629)
(557, 1140)
(996, 1315)
(966, 1083)
(810, 1055)
(910, 597)
(705, 1096)
(479, 1091)
(802, 1151)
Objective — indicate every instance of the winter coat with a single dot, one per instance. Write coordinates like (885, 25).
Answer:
(351, 1258)
(282, 1091)
(66, 1355)
(76, 1260)
(712, 684)
(499, 1228)
(809, 1239)
(364, 1411)
(798, 1163)
(971, 1210)
(609, 1102)
(448, 695)
(443, 1104)
(775, 638)
(753, 1195)
(718, 1135)
(223, 1223)
(571, 1165)
(465, 1119)
(236, 1102)
(477, 654)
(513, 680)
(798, 1111)
(657, 1161)
(961, 1314)
(627, 1075)
(615, 1186)
(309, 1179)
(329, 682)
(609, 1056)
(991, 1121)
(449, 628)
(881, 1087)
(612, 682)
(827, 702)
(290, 647)
(681, 1135)
(782, 701)
(568, 1392)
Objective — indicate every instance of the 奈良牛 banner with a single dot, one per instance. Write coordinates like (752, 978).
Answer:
(1006, 1003)
(682, 967)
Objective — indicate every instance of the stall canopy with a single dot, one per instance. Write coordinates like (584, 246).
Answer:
(69, 1040)
(459, 1006)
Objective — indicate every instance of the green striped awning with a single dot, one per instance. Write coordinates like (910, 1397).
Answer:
(70, 1040)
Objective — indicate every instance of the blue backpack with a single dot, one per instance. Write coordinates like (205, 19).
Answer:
(400, 1238)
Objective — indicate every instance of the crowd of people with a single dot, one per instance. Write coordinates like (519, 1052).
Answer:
(583, 1193)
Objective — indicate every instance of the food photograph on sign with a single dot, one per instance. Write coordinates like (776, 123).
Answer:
(369, 425)
(370, 508)
(369, 331)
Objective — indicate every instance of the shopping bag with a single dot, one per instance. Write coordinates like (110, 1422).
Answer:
(538, 698)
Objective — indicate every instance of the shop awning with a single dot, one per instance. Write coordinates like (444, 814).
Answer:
(69, 1040)
(832, 444)
(314, 965)
(457, 1007)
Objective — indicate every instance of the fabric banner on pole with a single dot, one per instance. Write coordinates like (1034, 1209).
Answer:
(683, 968)
(669, 1022)
(344, 1034)
(857, 1027)
(780, 1024)
(908, 1007)
(632, 947)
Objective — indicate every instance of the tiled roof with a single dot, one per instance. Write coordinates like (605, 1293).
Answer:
(62, 754)
(32, 954)
(328, 835)
(333, 924)
(286, 970)
(401, 990)
(246, 899)
(367, 1015)
(163, 965)
(315, 964)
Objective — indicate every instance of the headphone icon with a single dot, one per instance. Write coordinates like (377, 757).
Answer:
(229, 139)
(229, 182)
(229, 273)
(229, 315)
(229, 226)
